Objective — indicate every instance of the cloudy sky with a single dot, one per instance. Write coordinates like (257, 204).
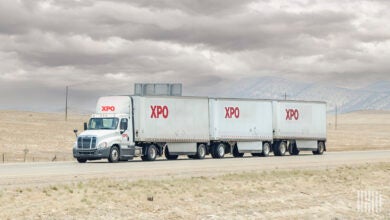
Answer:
(103, 47)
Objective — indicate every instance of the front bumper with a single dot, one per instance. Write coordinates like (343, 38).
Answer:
(91, 154)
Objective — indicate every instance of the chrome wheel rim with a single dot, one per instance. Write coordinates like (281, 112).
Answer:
(201, 151)
(266, 149)
(282, 148)
(152, 152)
(221, 150)
(114, 154)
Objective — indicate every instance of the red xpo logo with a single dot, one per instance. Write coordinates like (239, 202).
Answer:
(231, 112)
(158, 110)
(108, 108)
(292, 114)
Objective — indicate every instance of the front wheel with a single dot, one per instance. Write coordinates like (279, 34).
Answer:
(114, 155)
(201, 151)
(236, 153)
(81, 160)
(151, 153)
(266, 149)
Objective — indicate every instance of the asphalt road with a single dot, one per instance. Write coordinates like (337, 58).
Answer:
(26, 174)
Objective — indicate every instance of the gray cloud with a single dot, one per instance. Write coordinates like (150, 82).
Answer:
(104, 47)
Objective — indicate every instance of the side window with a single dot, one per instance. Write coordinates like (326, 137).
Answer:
(123, 125)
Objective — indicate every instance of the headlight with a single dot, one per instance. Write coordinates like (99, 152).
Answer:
(75, 145)
(102, 145)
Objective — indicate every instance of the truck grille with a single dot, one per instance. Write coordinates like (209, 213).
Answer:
(86, 142)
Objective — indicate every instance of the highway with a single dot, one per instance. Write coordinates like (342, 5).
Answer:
(27, 174)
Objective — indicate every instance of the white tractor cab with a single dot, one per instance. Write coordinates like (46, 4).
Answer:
(109, 133)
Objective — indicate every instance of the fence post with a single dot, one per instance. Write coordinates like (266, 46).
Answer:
(3, 157)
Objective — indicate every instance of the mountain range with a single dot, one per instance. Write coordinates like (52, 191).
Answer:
(373, 97)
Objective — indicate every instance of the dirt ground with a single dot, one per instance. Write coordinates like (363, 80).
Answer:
(48, 136)
(278, 194)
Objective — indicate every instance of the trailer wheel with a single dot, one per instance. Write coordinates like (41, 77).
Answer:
(281, 149)
(293, 149)
(320, 149)
(114, 155)
(213, 150)
(220, 151)
(266, 149)
(81, 160)
(151, 153)
(169, 156)
(201, 151)
(236, 153)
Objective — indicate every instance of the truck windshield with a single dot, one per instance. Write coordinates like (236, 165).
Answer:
(103, 123)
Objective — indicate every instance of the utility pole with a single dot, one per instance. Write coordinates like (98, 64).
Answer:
(66, 104)
(285, 95)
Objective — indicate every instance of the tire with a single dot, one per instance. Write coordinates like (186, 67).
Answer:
(236, 153)
(191, 156)
(114, 155)
(213, 149)
(320, 149)
(293, 149)
(151, 153)
(266, 149)
(281, 148)
(256, 154)
(220, 150)
(81, 160)
(169, 156)
(200, 152)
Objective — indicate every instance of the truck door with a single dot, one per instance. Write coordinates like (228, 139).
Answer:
(127, 143)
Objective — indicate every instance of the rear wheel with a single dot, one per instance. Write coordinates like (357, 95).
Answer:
(236, 153)
(281, 148)
(220, 150)
(266, 149)
(293, 149)
(81, 160)
(213, 149)
(114, 155)
(169, 156)
(201, 151)
(320, 149)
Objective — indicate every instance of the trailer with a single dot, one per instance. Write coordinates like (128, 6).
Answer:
(173, 125)
(239, 126)
(299, 126)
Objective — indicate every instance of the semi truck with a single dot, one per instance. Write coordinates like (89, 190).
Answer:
(124, 127)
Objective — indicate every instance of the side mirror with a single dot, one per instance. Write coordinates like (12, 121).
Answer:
(75, 132)
(85, 126)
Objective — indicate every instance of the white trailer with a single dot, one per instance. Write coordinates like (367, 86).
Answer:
(297, 126)
(240, 126)
(178, 124)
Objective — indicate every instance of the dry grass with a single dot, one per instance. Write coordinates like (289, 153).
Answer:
(364, 130)
(291, 194)
(46, 135)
